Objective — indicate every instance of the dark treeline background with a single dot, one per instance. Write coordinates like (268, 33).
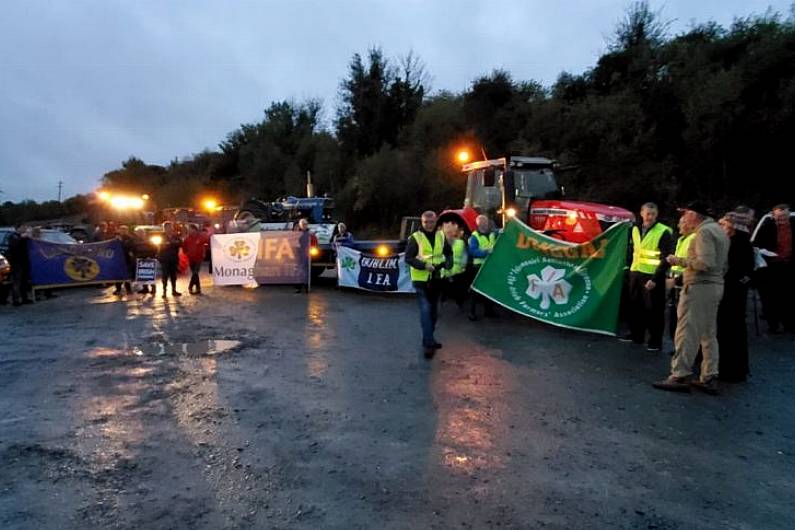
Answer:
(706, 114)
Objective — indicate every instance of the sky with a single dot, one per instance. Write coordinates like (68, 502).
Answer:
(86, 84)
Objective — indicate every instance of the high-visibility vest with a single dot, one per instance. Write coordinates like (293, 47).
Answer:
(427, 253)
(646, 252)
(459, 259)
(485, 243)
(682, 244)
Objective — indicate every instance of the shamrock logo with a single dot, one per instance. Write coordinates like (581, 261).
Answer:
(239, 250)
(551, 286)
(348, 263)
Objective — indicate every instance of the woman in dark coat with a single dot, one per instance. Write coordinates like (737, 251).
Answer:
(732, 329)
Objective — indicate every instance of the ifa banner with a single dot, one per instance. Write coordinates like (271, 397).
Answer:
(271, 257)
(575, 286)
(55, 264)
(384, 274)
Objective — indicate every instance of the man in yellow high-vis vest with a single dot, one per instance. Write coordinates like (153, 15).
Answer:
(428, 253)
(481, 244)
(674, 283)
(651, 243)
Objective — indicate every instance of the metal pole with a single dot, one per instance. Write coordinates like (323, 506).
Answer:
(60, 187)
(309, 272)
(756, 313)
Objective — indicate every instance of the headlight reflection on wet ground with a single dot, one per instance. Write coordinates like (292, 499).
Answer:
(472, 403)
(317, 362)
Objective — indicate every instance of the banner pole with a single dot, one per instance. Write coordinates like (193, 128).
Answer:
(308, 273)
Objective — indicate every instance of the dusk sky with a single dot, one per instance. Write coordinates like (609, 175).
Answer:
(88, 83)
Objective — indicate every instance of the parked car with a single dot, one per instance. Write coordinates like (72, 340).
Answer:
(5, 278)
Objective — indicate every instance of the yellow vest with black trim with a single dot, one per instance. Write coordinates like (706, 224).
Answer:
(682, 244)
(427, 253)
(485, 243)
(646, 251)
(459, 259)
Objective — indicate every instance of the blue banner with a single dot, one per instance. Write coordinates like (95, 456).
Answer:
(385, 274)
(58, 264)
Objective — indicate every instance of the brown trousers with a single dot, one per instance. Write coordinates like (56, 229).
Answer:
(697, 325)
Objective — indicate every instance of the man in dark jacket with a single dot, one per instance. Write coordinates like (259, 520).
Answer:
(19, 260)
(168, 255)
(651, 242)
(777, 280)
(128, 247)
(427, 253)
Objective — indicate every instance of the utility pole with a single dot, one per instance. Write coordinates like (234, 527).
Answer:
(60, 187)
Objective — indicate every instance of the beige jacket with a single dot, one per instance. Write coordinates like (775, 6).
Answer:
(708, 255)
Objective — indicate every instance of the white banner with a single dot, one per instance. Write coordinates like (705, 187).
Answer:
(234, 257)
(384, 274)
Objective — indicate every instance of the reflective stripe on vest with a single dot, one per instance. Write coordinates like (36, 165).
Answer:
(646, 252)
(459, 259)
(682, 244)
(485, 243)
(427, 253)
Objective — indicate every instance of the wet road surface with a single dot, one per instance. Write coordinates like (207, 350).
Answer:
(268, 409)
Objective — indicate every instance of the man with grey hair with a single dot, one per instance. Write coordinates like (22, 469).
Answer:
(702, 289)
(427, 253)
(481, 244)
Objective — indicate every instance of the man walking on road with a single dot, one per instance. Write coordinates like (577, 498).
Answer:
(650, 242)
(427, 253)
(702, 289)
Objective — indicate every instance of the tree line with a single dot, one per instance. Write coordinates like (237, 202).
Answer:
(705, 114)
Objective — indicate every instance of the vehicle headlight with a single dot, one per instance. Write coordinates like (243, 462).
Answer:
(314, 252)
(156, 240)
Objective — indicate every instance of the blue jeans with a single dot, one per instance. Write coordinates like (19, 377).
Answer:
(428, 299)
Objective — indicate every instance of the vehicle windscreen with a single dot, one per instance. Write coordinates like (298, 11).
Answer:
(58, 237)
(538, 183)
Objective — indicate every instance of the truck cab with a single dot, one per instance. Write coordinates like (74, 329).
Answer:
(527, 188)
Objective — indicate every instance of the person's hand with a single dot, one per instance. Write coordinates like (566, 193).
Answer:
(650, 285)
(429, 267)
(673, 260)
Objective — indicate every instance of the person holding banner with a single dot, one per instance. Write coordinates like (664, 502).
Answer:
(481, 243)
(427, 253)
(128, 244)
(307, 241)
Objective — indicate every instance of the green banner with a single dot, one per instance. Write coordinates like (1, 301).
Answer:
(564, 284)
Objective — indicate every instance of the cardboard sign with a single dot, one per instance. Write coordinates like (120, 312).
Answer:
(146, 271)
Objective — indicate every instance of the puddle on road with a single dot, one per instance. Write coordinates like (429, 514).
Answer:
(196, 349)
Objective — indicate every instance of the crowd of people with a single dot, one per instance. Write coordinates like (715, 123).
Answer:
(704, 274)
(189, 240)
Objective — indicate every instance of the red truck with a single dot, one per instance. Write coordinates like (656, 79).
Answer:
(527, 188)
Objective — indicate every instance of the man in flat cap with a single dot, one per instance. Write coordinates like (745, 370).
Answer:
(697, 313)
